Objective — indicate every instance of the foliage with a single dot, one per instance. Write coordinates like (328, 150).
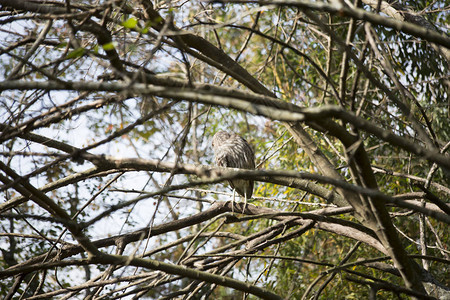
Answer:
(106, 119)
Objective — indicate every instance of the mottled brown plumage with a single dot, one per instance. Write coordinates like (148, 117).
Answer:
(232, 151)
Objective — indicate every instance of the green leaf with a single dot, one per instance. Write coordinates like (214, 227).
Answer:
(143, 30)
(108, 46)
(76, 53)
(130, 23)
(61, 45)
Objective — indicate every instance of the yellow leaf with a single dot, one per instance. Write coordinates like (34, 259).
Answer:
(130, 23)
(108, 46)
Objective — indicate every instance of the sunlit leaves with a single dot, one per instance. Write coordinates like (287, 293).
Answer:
(76, 53)
(130, 23)
(108, 46)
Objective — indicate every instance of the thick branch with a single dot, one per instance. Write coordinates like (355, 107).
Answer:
(273, 109)
(337, 7)
(401, 13)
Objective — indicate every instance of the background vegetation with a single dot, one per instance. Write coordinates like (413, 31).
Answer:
(108, 184)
